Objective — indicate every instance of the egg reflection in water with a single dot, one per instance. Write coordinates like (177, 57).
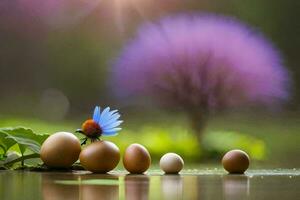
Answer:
(51, 190)
(236, 187)
(100, 192)
(136, 187)
(172, 187)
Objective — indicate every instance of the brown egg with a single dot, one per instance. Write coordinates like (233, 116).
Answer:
(236, 161)
(136, 159)
(100, 157)
(60, 150)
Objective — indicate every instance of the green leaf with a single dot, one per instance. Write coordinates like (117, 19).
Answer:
(24, 143)
(10, 157)
(19, 139)
(5, 143)
(22, 148)
(25, 138)
(10, 161)
(26, 133)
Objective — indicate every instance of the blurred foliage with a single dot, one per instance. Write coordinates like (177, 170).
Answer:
(273, 140)
(37, 125)
(160, 139)
(218, 143)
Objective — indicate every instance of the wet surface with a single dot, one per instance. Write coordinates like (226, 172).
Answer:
(191, 184)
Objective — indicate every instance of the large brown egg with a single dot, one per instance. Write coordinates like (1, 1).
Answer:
(100, 157)
(60, 150)
(136, 159)
(236, 161)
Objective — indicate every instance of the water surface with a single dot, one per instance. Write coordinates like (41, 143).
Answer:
(191, 184)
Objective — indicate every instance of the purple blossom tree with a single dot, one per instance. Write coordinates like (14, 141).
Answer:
(203, 64)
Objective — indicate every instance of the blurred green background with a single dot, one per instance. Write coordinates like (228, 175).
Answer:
(55, 61)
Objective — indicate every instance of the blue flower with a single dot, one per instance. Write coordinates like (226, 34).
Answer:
(103, 123)
(107, 120)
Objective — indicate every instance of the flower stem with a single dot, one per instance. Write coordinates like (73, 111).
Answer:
(84, 141)
(34, 155)
(3, 148)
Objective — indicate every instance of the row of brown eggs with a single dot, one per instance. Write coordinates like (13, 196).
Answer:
(62, 150)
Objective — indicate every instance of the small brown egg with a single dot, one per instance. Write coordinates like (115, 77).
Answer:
(60, 150)
(136, 159)
(236, 161)
(171, 163)
(100, 157)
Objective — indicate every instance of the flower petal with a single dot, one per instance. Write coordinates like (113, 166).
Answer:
(108, 116)
(110, 134)
(111, 131)
(96, 116)
(104, 115)
(112, 125)
(112, 119)
(111, 113)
